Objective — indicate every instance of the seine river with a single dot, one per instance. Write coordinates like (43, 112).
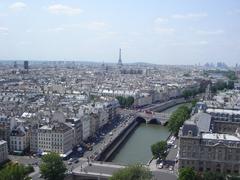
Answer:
(137, 148)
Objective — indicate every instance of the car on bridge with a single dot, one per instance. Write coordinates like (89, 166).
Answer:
(148, 112)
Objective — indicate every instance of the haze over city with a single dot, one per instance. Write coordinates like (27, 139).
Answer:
(161, 32)
(119, 90)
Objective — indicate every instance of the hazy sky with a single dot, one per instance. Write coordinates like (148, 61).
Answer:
(155, 31)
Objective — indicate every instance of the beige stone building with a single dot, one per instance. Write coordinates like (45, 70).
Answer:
(57, 137)
(225, 120)
(204, 150)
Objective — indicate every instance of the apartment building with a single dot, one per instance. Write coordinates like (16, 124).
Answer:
(19, 139)
(76, 124)
(204, 150)
(57, 137)
(33, 135)
(225, 120)
(6, 124)
(3, 151)
(86, 127)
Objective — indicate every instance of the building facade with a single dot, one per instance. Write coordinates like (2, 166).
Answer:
(76, 124)
(6, 124)
(225, 120)
(19, 139)
(57, 137)
(33, 135)
(210, 152)
(204, 150)
(3, 151)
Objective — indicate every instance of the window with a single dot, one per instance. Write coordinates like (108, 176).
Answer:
(236, 171)
(189, 133)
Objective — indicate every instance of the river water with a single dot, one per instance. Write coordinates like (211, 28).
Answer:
(137, 148)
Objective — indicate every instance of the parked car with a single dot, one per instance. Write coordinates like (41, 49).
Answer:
(160, 166)
(76, 160)
(170, 168)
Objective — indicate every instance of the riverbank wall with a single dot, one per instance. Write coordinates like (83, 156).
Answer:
(112, 147)
(163, 106)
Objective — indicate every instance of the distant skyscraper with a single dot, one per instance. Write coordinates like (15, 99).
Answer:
(26, 65)
(120, 58)
(15, 64)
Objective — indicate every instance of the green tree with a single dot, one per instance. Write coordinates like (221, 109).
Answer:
(159, 150)
(203, 85)
(186, 74)
(231, 75)
(187, 94)
(187, 174)
(213, 176)
(125, 101)
(14, 172)
(230, 85)
(52, 167)
(194, 102)
(120, 100)
(133, 172)
(129, 101)
(177, 119)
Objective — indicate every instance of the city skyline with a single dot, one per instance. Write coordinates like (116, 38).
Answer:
(186, 32)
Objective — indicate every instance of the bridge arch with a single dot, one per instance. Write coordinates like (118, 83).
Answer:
(154, 121)
(140, 119)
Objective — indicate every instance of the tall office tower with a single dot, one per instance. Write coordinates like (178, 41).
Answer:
(237, 70)
(15, 64)
(26, 65)
(120, 58)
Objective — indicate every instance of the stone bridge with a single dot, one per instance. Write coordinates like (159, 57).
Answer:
(148, 116)
(153, 117)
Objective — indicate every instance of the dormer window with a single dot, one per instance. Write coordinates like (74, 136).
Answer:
(189, 133)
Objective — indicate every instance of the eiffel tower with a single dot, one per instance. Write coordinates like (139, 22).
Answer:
(120, 58)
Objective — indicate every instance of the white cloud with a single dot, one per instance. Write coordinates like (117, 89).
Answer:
(216, 32)
(189, 16)
(29, 30)
(24, 43)
(190, 43)
(164, 30)
(4, 30)
(160, 20)
(177, 44)
(202, 42)
(3, 14)
(160, 28)
(56, 29)
(63, 9)
(97, 25)
(71, 26)
(17, 6)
